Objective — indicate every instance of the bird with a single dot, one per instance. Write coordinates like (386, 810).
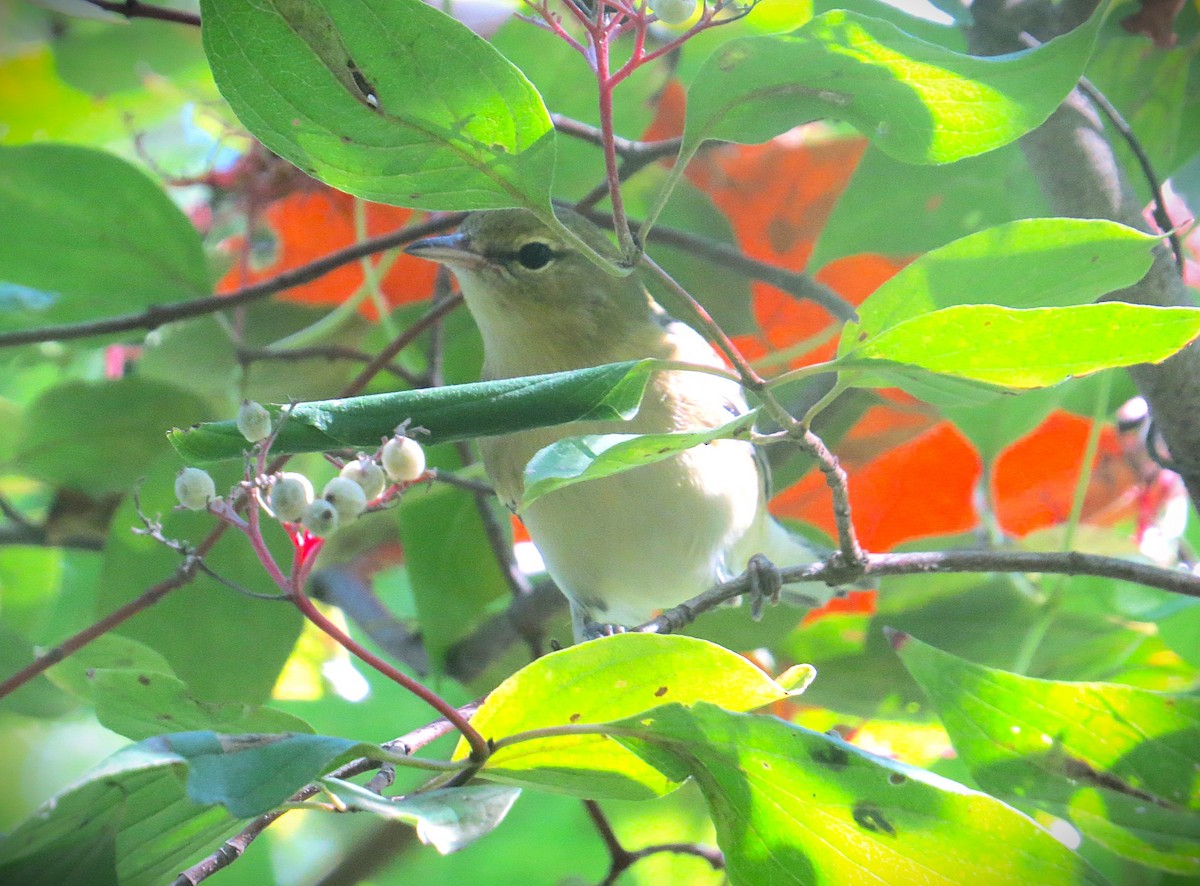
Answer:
(625, 546)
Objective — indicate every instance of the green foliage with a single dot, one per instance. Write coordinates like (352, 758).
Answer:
(919, 102)
(56, 199)
(330, 87)
(1119, 762)
(397, 102)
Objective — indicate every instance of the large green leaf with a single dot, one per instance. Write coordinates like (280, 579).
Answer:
(84, 234)
(917, 101)
(1121, 762)
(1031, 263)
(575, 459)
(604, 680)
(129, 821)
(456, 412)
(794, 806)
(1024, 349)
(390, 100)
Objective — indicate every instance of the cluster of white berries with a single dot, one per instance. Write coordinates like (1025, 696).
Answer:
(290, 495)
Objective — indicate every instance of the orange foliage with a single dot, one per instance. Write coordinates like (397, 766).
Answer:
(310, 224)
(916, 489)
(1034, 479)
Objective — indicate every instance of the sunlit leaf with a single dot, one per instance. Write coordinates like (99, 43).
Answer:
(604, 680)
(1029, 348)
(917, 101)
(792, 806)
(1120, 761)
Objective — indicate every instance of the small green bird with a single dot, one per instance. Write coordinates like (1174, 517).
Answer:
(623, 546)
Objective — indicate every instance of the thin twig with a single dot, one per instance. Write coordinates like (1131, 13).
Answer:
(158, 315)
(246, 355)
(622, 859)
(182, 576)
(137, 9)
(793, 283)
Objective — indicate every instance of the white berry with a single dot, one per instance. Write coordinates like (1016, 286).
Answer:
(253, 421)
(674, 12)
(367, 474)
(195, 489)
(403, 459)
(290, 494)
(347, 498)
(320, 518)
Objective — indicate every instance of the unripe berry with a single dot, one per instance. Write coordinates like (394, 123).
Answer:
(403, 459)
(366, 473)
(195, 489)
(674, 12)
(290, 495)
(347, 498)
(253, 421)
(320, 518)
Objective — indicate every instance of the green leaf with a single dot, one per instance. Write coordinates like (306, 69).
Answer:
(795, 806)
(952, 200)
(1029, 348)
(128, 821)
(390, 100)
(1032, 263)
(455, 412)
(139, 705)
(604, 680)
(576, 459)
(447, 819)
(100, 437)
(252, 774)
(917, 101)
(118, 242)
(1121, 762)
(108, 651)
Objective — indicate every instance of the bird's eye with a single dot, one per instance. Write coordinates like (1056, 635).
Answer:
(535, 255)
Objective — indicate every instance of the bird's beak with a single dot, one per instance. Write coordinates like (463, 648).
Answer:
(455, 250)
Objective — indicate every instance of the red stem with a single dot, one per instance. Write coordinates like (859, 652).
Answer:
(479, 746)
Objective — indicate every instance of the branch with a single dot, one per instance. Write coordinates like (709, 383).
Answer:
(796, 284)
(136, 9)
(622, 859)
(248, 355)
(834, 571)
(159, 315)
